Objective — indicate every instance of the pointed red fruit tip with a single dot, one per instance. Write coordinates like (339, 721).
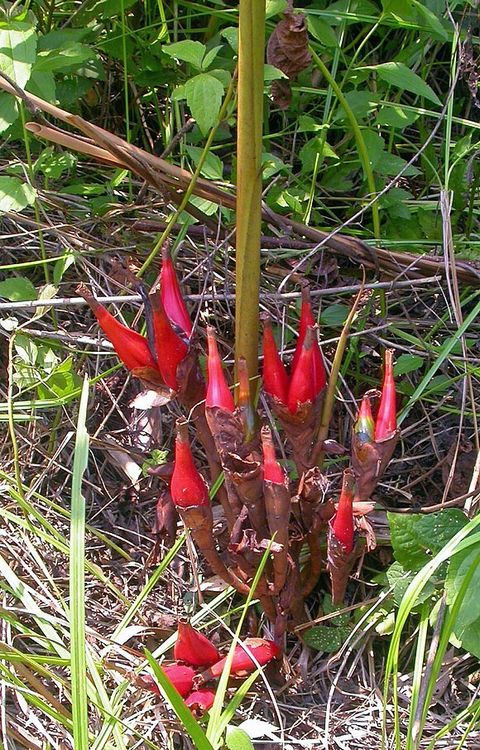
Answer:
(171, 349)
(218, 392)
(306, 319)
(187, 487)
(262, 649)
(343, 524)
(200, 700)
(364, 427)
(386, 422)
(272, 471)
(301, 388)
(194, 648)
(172, 298)
(275, 378)
(130, 346)
(181, 677)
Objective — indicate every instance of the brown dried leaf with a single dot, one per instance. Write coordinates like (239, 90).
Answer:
(287, 47)
(340, 563)
(369, 461)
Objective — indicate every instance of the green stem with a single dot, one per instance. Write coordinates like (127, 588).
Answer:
(173, 219)
(362, 149)
(251, 47)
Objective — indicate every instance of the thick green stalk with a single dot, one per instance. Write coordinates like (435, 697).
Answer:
(251, 43)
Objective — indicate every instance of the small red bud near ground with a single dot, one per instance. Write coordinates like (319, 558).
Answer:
(262, 649)
(301, 388)
(272, 471)
(200, 700)
(172, 298)
(187, 487)
(130, 346)
(307, 319)
(179, 675)
(193, 648)
(343, 524)
(364, 427)
(218, 392)
(170, 348)
(386, 423)
(275, 378)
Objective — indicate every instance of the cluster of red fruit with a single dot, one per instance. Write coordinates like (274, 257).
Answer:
(198, 663)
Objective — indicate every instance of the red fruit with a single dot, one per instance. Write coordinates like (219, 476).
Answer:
(200, 700)
(307, 319)
(218, 392)
(187, 485)
(275, 378)
(180, 676)
(131, 347)
(342, 524)
(364, 427)
(263, 650)
(193, 647)
(272, 471)
(386, 423)
(301, 384)
(172, 298)
(170, 348)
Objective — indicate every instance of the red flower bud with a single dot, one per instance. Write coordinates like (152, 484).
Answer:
(131, 347)
(200, 700)
(187, 485)
(364, 427)
(180, 676)
(172, 298)
(307, 319)
(193, 647)
(342, 523)
(301, 384)
(170, 348)
(272, 471)
(275, 378)
(386, 423)
(262, 649)
(218, 392)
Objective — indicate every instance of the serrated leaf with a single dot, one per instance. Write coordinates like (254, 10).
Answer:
(416, 538)
(408, 363)
(188, 51)
(204, 97)
(328, 639)
(15, 195)
(17, 289)
(399, 75)
(238, 739)
(18, 46)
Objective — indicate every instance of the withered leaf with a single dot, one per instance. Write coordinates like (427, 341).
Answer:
(287, 50)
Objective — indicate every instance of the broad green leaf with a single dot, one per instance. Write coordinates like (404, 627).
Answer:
(328, 639)
(271, 73)
(42, 84)
(210, 56)
(334, 315)
(64, 59)
(17, 289)
(274, 7)
(399, 75)
(361, 104)
(8, 111)
(467, 622)
(322, 31)
(18, 45)
(188, 51)
(400, 579)
(231, 35)
(395, 116)
(238, 739)
(313, 149)
(408, 363)
(26, 349)
(212, 166)
(15, 195)
(416, 538)
(204, 97)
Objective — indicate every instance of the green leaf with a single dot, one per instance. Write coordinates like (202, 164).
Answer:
(238, 739)
(17, 289)
(328, 639)
(204, 97)
(53, 164)
(467, 621)
(400, 579)
(188, 51)
(321, 30)
(271, 73)
(210, 56)
(64, 59)
(416, 538)
(408, 363)
(360, 102)
(26, 349)
(274, 7)
(212, 166)
(395, 116)
(231, 35)
(8, 111)
(18, 46)
(334, 315)
(62, 382)
(317, 147)
(42, 84)
(15, 195)
(399, 75)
